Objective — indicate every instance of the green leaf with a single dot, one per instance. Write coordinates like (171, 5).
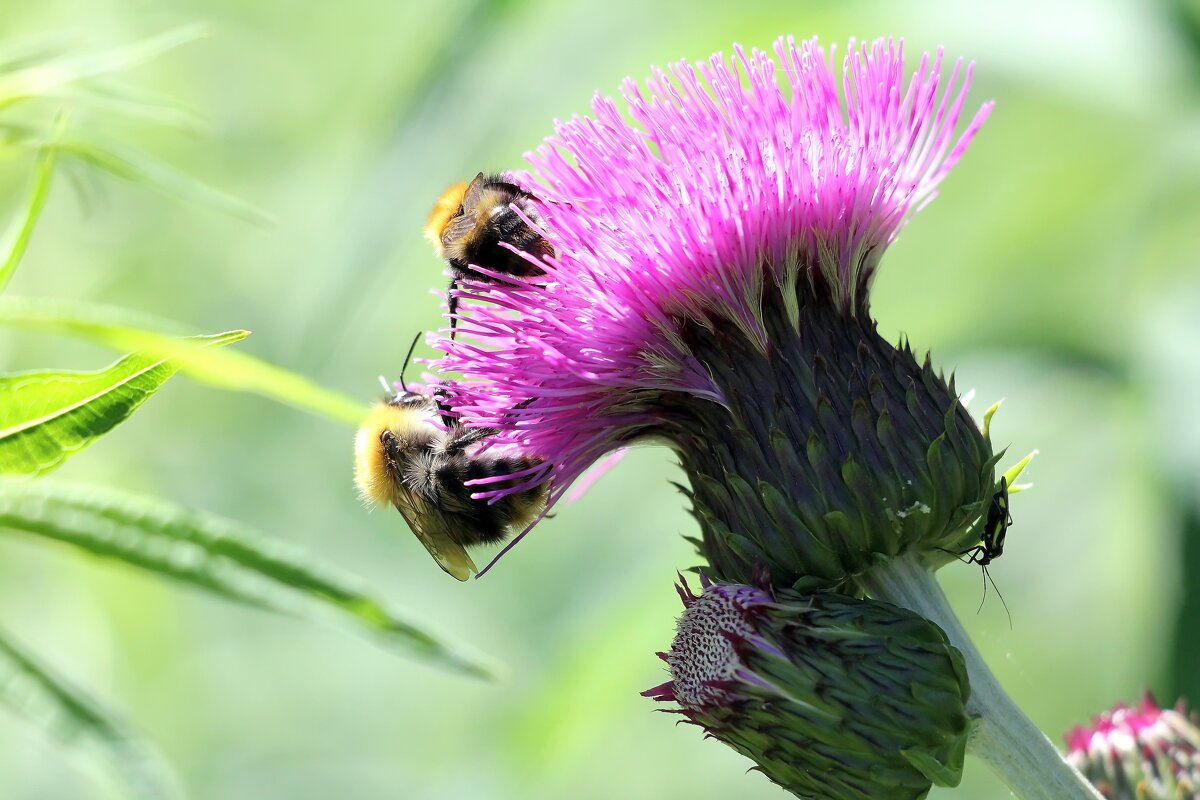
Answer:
(136, 167)
(141, 169)
(1014, 472)
(30, 49)
(40, 71)
(228, 369)
(54, 69)
(986, 428)
(91, 732)
(134, 104)
(16, 240)
(220, 556)
(48, 416)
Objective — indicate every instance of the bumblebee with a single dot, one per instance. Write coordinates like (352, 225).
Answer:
(404, 458)
(471, 224)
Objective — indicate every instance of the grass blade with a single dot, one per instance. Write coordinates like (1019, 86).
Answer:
(55, 72)
(16, 240)
(50, 415)
(96, 735)
(141, 169)
(133, 166)
(219, 556)
(134, 104)
(228, 369)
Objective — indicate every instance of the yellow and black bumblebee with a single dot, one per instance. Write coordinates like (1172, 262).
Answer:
(403, 457)
(472, 222)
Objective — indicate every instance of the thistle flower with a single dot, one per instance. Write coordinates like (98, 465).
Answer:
(831, 696)
(710, 289)
(1140, 753)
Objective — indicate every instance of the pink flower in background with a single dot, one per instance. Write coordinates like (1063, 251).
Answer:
(1139, 753)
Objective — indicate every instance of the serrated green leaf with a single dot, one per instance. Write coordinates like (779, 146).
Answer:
(228, 369)
(91, 732)
(49, 415)
(16, 240)
(220, 556)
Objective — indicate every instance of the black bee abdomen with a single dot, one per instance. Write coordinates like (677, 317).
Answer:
(482, 522)
(486, 248)
(474, 522)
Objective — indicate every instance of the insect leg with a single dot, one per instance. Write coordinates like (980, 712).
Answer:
(447, 414)
(461, 438)
(452, 306)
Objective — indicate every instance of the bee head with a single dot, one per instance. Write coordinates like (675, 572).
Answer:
(394, 432)
(447, 207)
(408, 400)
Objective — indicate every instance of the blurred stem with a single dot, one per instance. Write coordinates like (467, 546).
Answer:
(1185, 655)
(1019, 753)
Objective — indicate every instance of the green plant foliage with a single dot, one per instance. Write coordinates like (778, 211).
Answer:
(90, 731)
(53, 69)
(123, 330)
(144, 170)
(49, 415)
(215, 554)
(12, 248)
(48, 67)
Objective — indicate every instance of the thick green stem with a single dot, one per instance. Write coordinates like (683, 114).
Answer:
(1004, 737)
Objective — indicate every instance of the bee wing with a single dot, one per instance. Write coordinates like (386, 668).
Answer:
(474, 188)
(457, 228)
(432, 530)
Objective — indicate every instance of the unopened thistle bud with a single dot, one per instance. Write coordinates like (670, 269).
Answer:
(709, 290)
(1139, 753)
(831, 696)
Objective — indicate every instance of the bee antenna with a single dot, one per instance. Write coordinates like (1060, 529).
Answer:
(407, 358)
(388, 389)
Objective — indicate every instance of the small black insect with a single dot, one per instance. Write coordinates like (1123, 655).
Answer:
(991, 541)
(995, 528)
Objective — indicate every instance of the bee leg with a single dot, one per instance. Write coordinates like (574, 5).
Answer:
(452, 307)
(462, 438)
(449, 418)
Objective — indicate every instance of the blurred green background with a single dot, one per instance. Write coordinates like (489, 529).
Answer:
(1057, 270)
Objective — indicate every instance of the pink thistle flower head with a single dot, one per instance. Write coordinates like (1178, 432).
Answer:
(1140, 752)
(723, 244)
(830, 695)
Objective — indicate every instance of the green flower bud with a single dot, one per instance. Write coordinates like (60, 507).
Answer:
(830, 696)
(834, 451)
